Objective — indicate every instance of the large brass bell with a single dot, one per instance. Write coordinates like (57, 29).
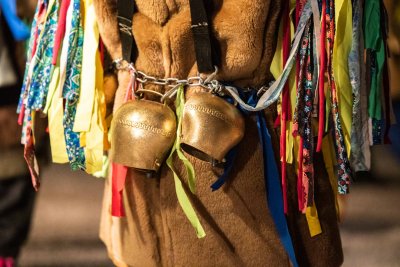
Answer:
(142, 132)
(210, 127)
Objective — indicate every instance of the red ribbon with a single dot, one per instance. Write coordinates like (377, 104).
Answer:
(118, 182)
(321, 93)
(21, 115)
(285, 104)
(60, 32)
(300, 189)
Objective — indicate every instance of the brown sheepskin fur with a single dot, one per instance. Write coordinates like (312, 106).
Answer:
(239, 227)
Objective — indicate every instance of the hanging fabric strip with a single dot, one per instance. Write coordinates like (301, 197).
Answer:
(44, 10)
(21, 105)
(63, 57)
(316, 37)
(341, 50)
(310, 85)
(35, 31)
(42, 71)
(276, 69)
(183, 199)
(314, 225)
(302, 118)
(54, 110)
(344, 171)
(71, 88)
(365, 145)
(305, 126)
(356, 157)
(285, 103)
(299, 9)
(300, 188)
(56, 129)
(54, 107)
(60, 33)
(228, 165)
(321, 82)
(84, 109)
(273, 189)
(29, 155)
(273, 93)
(97, 134)
(118, 177)
(373, 42)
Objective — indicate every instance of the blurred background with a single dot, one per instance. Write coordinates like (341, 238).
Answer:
(66, 214)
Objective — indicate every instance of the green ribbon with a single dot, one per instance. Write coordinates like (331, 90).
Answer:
(180, 192)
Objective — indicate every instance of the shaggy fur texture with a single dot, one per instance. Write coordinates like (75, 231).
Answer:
(239, 227)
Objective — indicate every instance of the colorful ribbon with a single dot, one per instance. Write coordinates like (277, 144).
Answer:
(71, 88)
(183, 199)
(273, 189)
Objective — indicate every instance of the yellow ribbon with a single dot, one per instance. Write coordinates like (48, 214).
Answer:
(180, 192)
(55, 110)
(314, 225)
(85, 106)
(96, 137)
(341, 51)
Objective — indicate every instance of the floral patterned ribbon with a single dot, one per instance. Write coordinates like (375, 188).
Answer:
(343, 168)
(302, 118)
(71, 91)
(42, 71)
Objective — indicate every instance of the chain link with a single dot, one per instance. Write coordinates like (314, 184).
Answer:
(208, 82)
(143, 78)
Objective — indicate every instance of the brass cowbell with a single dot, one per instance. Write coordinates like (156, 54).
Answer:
(142, 132)
(210, 127)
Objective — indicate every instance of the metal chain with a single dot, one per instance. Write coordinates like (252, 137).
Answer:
(144, 78)
(209, 82)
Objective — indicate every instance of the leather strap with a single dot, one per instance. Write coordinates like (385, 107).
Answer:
(205, 51)
(202, 36)
(125, 9)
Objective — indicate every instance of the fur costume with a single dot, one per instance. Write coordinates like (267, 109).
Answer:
(238, 224)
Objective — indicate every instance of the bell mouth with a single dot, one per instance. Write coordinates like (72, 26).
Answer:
(200, 154)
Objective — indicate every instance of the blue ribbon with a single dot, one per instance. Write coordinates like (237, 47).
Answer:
(273, 188)
(17, 27)
(230, 159)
